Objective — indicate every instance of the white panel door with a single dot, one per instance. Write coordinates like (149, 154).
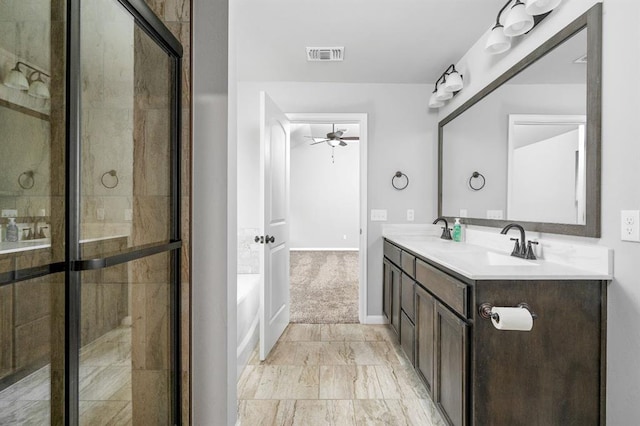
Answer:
(274, 257)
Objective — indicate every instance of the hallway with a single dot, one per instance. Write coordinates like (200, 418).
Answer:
(337, 374)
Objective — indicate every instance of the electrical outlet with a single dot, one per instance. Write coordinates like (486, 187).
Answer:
(410, 215)
(464, 213)
(344, 237)
(128, 215)
(630, 225)
(100, 214)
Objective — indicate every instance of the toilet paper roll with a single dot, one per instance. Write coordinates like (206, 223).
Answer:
(519, 319)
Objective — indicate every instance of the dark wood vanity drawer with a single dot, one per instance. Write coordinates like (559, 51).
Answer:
(451, 291)
(408, 264)
(392, 252)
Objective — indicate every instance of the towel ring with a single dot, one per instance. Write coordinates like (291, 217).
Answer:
(113, 174)
(477, 175)
(397, 176)
(24, 183)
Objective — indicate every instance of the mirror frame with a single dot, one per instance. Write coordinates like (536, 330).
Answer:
(592, 21)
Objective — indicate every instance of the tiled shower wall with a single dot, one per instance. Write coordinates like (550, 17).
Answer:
(176, 14)
(248, 251)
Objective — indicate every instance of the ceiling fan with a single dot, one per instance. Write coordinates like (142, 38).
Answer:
(334, 138)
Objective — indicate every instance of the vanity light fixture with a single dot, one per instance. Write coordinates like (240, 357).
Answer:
(447, 85)
(538, 7)
(518, 21)
(522, 17)
(33, 84)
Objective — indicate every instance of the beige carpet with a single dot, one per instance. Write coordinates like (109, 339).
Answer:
(324, 287)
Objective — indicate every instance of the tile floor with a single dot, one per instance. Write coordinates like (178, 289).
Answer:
(105, 386)
(334, 374)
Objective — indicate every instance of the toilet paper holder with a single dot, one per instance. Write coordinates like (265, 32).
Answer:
(485, 311)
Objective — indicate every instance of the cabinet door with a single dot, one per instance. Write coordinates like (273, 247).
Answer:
(451, 366)
(395, 299)
(386, 289)
(407, 338)
(407, 296)
(425, 336)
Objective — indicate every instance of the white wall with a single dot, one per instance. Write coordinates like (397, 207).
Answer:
(620, 161)
(401, 136)
(213, 320)
(325, 194)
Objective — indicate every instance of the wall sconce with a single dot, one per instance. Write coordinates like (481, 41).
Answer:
(449, 84)
(522, 18)
(34, 84)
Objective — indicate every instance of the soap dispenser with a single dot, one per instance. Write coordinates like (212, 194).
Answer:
(12, 230)
(457, 230)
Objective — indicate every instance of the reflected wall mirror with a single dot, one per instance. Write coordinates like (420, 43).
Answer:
(535, 135)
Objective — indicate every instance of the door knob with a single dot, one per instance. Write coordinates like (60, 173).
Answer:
(259, 239)
(270, 239)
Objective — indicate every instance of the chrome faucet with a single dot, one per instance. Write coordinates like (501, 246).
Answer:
(519, 248)
(446, 232)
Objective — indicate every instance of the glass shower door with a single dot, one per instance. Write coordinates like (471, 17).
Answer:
(128, 245)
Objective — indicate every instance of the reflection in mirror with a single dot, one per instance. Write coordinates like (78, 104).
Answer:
(546, 162)
(534, 135)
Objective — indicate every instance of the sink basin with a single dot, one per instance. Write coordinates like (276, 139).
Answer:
(496, 259)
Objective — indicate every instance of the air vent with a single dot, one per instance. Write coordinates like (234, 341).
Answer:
(325, 53)
(581, 60)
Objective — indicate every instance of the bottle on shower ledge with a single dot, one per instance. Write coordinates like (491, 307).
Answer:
(12, 230)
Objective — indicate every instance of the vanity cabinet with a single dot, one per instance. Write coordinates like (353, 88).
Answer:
(450, 355)
(425, 337)
(391, 294)
(478, 375)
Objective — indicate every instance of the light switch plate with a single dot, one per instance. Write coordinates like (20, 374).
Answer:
(495, 214)
(630, 225)
(128, 215)
(9, 213)
(410, 215)
(378, 215)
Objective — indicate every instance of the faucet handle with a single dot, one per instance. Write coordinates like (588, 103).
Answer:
(446, 233)
(516, 247)
(530, 253)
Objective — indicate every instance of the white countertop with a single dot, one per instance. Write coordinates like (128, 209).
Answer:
(7, 247)
(481, 263)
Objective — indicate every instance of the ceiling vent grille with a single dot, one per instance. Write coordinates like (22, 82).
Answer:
(581, 60)
(325, 53)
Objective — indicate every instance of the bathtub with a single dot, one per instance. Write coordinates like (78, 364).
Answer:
(248, 317)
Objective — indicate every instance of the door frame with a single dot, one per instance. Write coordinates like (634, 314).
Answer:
(361, 120)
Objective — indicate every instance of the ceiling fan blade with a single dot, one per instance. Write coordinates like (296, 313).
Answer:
(351, 138)
(343, 143)
(320, 141)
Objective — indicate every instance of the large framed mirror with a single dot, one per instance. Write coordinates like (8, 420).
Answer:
(526, 148)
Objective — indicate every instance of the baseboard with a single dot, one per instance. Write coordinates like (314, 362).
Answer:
(324, 249)
(375, 319)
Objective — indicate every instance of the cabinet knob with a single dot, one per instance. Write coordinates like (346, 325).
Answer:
(270, 239)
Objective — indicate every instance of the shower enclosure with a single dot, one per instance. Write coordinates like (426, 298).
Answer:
(90, 183)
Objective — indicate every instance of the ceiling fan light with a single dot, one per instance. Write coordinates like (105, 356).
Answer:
(333, 142)
(16, 80)
(497, 42)
(539, 7)
(435, 103)
(454, 82)
(518, 21)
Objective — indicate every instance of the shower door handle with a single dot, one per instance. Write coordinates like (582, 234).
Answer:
(259, 239)
(270, 239)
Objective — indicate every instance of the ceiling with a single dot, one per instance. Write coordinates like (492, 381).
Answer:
(386, 41)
